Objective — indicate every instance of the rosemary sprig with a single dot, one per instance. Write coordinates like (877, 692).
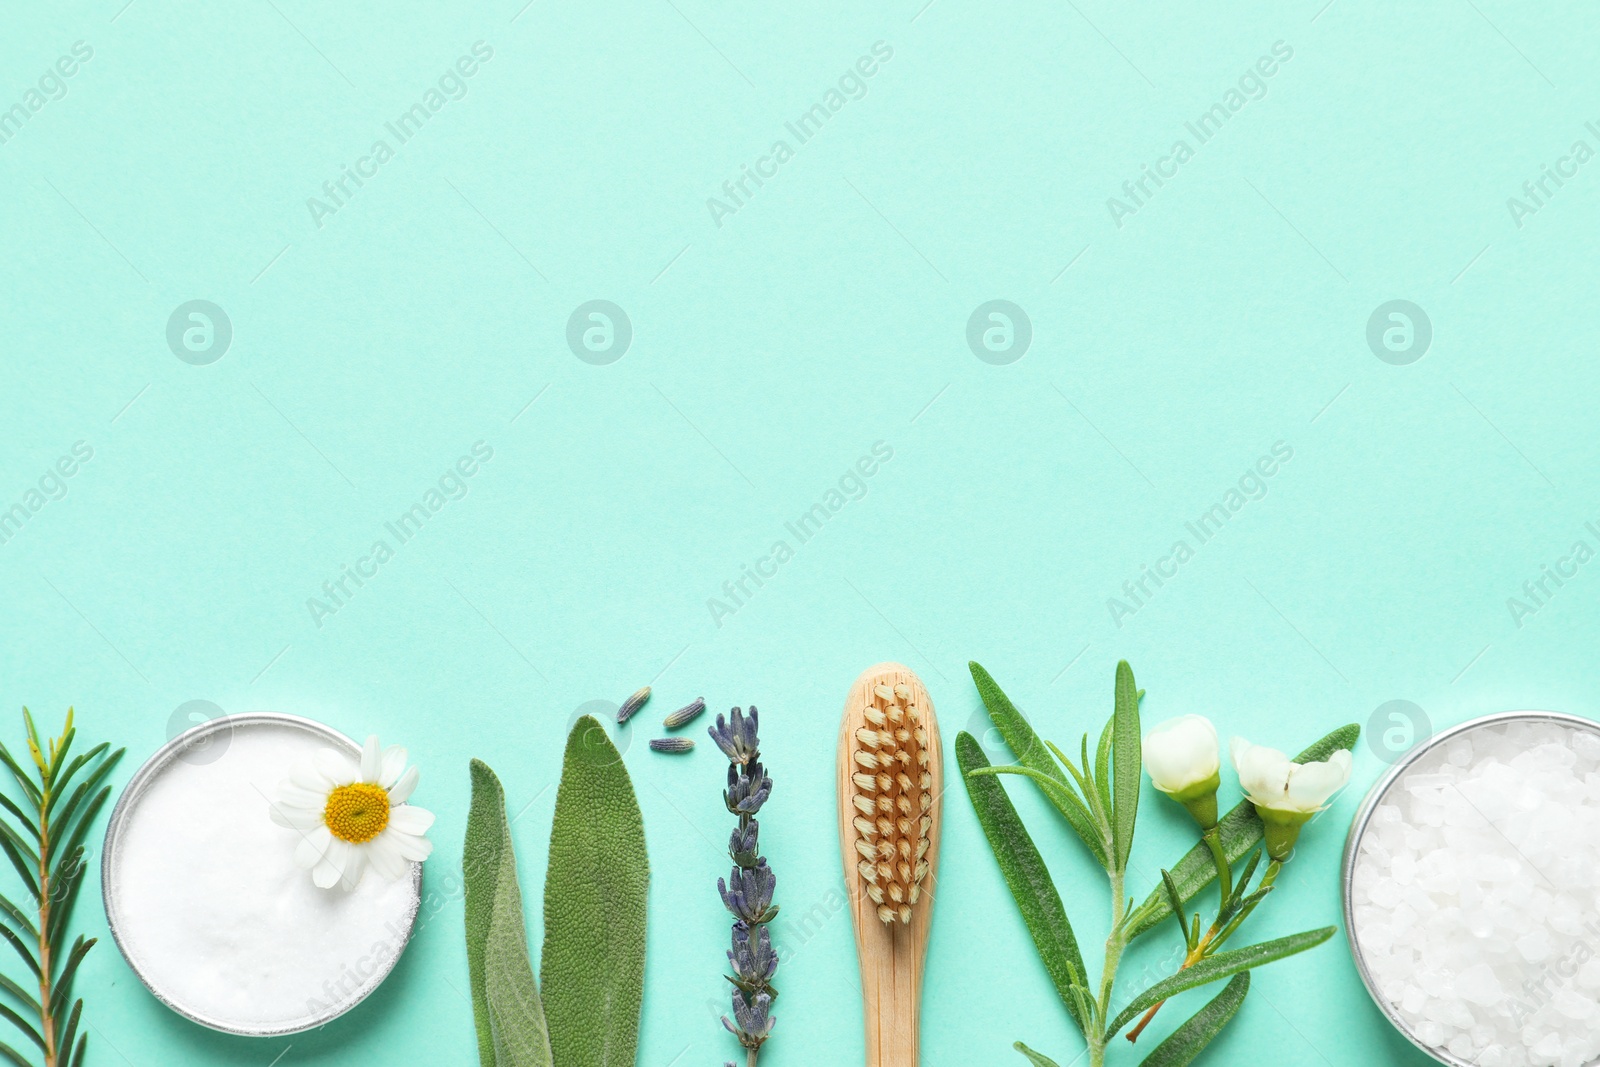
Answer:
(1099, 800)
(42, 835)
(748, 891)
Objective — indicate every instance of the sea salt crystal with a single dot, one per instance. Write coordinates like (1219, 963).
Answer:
(211, 909)
(1475, 904)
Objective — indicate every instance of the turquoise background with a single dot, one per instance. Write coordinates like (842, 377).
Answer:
(769, 353)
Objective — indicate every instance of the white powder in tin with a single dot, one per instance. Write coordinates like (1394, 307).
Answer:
(1475, 896)
(212, 910)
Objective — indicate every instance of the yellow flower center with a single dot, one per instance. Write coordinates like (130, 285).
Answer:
(357, 812)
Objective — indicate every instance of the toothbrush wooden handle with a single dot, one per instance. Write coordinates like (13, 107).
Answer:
(891, 993)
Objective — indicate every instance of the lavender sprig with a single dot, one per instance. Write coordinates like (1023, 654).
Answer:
(747, 892)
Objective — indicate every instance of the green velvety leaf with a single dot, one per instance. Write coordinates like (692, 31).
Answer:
(1019, 736)
(1038, 1059)
(1066, 801)
(1219, 966)
(505, 997)
(77, 1056)
(1240, 830)
(595, 891)
(1025, 874)
(1127, 757)
(1189, 1040)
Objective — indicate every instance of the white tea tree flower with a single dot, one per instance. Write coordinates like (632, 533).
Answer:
(353, 815)
(1286, 794)
(1182, 758)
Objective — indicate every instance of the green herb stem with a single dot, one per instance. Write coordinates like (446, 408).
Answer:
(1213, 840)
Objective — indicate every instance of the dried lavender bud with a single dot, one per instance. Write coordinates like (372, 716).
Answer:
(748, 893)
(685, 714)
(736, 736)
(748, 788)
(632, 704)
(672, 744)
(752, 1026)
(753, 961)
(744, 844)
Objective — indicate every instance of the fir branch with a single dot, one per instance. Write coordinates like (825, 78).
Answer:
(57, 822)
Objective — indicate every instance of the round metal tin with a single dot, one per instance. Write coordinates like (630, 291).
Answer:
(196, 739)
(1358, 829)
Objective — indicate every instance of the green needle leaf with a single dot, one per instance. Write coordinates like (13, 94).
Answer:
(1062, 797)
(505, 998)
(1019, 735)
(1240, 830)
(13, 1055)
(1219, 966)
(1026, 876)
(22, 1024)
(1036, 1058)
(1177, 904)
(595, 892)
(1188, 1040)
(1127, 755)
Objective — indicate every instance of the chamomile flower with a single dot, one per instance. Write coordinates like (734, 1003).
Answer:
(353, 815)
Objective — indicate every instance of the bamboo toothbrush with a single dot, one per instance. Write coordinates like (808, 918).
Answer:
(891, 775)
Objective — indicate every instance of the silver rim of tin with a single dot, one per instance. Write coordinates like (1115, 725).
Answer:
(119, 819)
(1358, 829)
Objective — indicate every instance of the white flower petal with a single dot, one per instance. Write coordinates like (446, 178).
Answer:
(394, 765)
(294, 818)
(1181, 752)
(308, 777)
(312, 847)
(1311, 784)
(355, 866)
(412, 848)
(401, 791)
(338, 768)
(1263, 772)
(326, 874)
(293, 795)
(409, 819)
(371, 760)
(385, 858)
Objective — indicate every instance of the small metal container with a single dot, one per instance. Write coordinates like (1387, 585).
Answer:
(196, 744)
(1358, 829)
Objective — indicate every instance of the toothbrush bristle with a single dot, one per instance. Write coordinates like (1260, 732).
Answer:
(893, 798)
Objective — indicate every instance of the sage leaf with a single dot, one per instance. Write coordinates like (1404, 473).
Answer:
(592, 968)
(1065, 800)
(1127, 752)
(1038, 1059)
(1026, 876)
(1240, 831)
(1219, 966)
(506, 1008)
(1187, 1041)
